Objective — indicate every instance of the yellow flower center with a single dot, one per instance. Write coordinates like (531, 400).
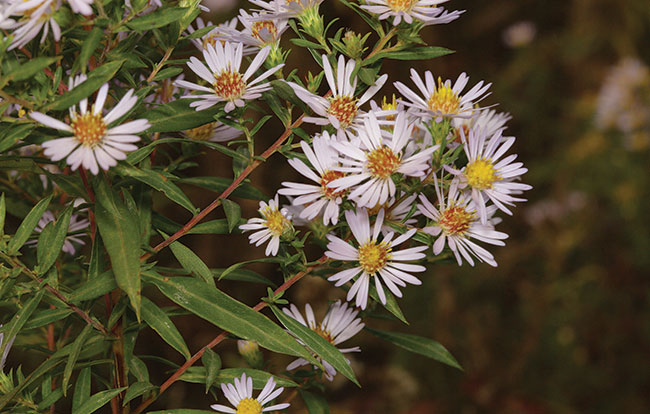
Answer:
(249, 406)
(328, 177)
(324, 333)
(89, 129)
(383, 162)
(389, 106)
(275, 221)
(201, 133)
(444, 99)
(27, 14)
(481, 174)
(400, 5)
(257, 27)
(229, 85)
(373, 257)
(343, 108)
(456, 220)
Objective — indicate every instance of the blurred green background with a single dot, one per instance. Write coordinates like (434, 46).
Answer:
(563, 324)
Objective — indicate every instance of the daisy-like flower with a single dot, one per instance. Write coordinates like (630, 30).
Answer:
(341, 109)
(489, 176)
(490, 120)
(76, 225)
(456, 222)
(443, 100)
(398, 212)
(214, 132)
(34, 15)
(81, 6)
(373, 258)
(240, 396)
(227, 83)
(371, 164)
(94, 143)
(221, 33)
(3, 359)
(339, 324)
(260, 29)
(287, 8)
(271, 226)
(6, 10)
(323, 159)
(426, 11)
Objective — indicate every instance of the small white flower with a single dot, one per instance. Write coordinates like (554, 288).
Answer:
(373, 258)
(220, 33)
(94, 144)
(456, 222)
(342, 108)
(287, 8)
(76, 225)
(339, 324)
(81, 6)
(319, 197)
(426, 11)
(260, 29)
(240, 396)
(443, 100)
(371, 163)
(34, 15)
(274, 223)
(6, 10)
(489, 176)
(3, 359)
(227, 83)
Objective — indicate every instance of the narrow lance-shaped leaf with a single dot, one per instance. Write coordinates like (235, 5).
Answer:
(97, 401)
(191, 262)
(316, 403)
(19, 320)
(51, 243)
(197, 375)
(27, 226)
(419, 345)
(160, 322)
(136, 390)
(117, 226)
(322, 347)
(233, 213)
(81, 389)
(74, 354)
(212, 363)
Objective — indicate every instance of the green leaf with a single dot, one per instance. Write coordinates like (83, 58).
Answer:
(88, 48)
(391, 303)
(74, 354)
(316, 403)
(236, 266)
(419, 345)
(97, 401)
(19, 320)
(159, 18)
(117, 226)
(191, 262)
(30, 68)
(11, 135)
(219, 184)
(160, 322)
(162, 223)
(50, 399)
(27, 226)
(50, 243)
(136, 390)
(420, 53)
(3, 214)
(229, 314)
(96, 78)
(233, 213)
(46, 316)
(81, 389)
(159, 182)
(322, 347)
(242, 275)
(212, 363)
(178, 116)
(167, 73)
(197, 375)
(94, 287)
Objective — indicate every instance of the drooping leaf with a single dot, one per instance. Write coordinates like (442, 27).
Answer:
(391, 303)
(158, 320)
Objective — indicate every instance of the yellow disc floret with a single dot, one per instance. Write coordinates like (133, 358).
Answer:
(373, 257)
(456, 220)
(480, 174)
(249, 406)
(229, 85)
(383, 162)
(324, 333)
(89, 129)
(327, 178)
(400, 5)
(269, 26)
(343, 108)
(275, 221)
(444, 99)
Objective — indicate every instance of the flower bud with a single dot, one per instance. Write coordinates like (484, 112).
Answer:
(353, 44)
(312, 23)
(251, 353)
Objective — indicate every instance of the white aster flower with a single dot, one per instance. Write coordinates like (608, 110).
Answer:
(456, 222)
(489, 176)
(489, 119)
(81, 6)
(342, 108)
(214, 132)
(260, 29)
(443, 100)
(274, 223)
(34, 15)
(76, 225)
(240, 396)
(371, 163)
(287, 8)
(339, 324)
(94, 143)
(220, 33)
(426, 11)
(319, 197)
(227, 83)
(6, 10)
(3, 359)
(373, 258)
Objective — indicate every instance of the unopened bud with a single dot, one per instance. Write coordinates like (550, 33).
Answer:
(353, 44)
(251, 353)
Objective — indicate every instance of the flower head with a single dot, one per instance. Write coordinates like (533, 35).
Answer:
(426, 11)
(94, 143)
(260, 29)
(273, 224)
(339, 324)
(373, 258)
(34, 15)
(240, 395)
(222, 73)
